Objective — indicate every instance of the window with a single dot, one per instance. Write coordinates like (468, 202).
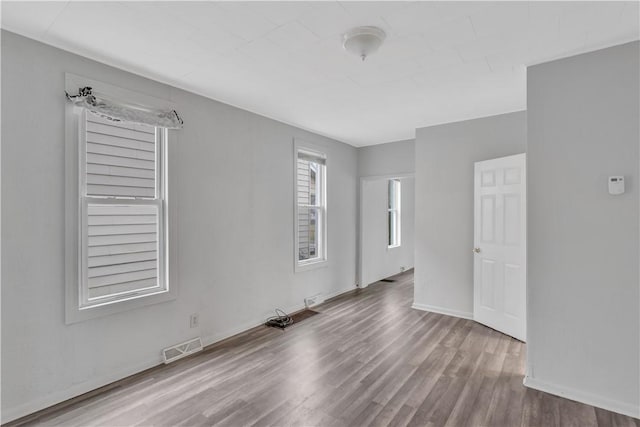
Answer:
(394, 213)
(122, 211)
(311, 208)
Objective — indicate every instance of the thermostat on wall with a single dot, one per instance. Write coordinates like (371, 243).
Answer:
(616, 185)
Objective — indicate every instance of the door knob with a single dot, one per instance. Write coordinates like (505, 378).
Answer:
(476, 250)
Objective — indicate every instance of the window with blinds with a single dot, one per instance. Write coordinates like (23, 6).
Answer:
(393, 213)
(310, 207)
(123, 211)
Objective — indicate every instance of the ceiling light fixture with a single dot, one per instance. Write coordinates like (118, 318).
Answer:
(363, 41)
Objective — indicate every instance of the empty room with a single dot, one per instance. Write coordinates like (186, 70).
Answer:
(320, 213)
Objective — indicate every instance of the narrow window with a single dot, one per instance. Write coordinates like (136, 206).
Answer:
(311, 208)
(122, 211)
(394, 213)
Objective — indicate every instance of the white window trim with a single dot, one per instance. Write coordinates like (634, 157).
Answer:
(398, 210)
(322, 260)
(74, 311)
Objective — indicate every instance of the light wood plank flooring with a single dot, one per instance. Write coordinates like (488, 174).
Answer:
(367, 359)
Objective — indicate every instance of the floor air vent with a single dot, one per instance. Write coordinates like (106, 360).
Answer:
(283, 320)
(304, 314)
(178, 351)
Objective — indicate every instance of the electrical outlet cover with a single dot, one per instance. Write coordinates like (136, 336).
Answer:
(194, 320)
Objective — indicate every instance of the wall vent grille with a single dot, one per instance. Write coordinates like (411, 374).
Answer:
(313, 300)
(178, 351)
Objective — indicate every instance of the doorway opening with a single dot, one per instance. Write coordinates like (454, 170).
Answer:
(386, 231)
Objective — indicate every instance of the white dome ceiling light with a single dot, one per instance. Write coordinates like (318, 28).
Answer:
(363, 41)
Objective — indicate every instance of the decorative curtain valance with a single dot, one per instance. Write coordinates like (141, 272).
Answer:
(120, 112)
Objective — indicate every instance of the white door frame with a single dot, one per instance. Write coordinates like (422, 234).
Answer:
(363, 180)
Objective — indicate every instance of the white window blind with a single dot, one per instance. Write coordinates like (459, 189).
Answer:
(122, 248)
(122, 229)
(121, 159)
(310, 207)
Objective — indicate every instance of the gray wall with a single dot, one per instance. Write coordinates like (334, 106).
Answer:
(445, 155)
(378, 261)
(583, 314)
(387, 159)
(235, 231)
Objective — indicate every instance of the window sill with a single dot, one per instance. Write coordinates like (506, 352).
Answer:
(306, 266)
(76, 314)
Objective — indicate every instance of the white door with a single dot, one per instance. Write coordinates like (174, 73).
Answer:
(500, 227)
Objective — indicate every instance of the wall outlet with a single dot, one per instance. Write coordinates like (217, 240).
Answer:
(194, 320)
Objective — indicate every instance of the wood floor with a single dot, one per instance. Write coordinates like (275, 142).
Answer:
(366, 359)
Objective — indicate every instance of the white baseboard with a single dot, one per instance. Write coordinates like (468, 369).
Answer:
(379, 277)
(584, 397)
(442, 310)
(338, 293)
(51, 399)
(212, 339)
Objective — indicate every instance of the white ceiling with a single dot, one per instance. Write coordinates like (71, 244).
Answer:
(442, 61)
